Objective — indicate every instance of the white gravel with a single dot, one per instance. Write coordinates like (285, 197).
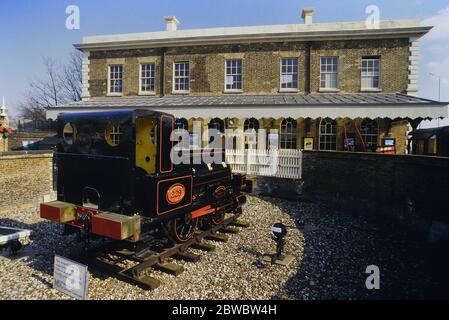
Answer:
(331, 254)
(229, 272)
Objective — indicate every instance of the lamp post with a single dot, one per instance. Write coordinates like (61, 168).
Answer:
(439, 84)
(439, 90)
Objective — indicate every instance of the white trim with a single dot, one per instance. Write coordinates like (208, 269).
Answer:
(280, 76)
(282, 111)
(115, 94)
(85, 94)
(297, 32)
(173, 78)
(377, 90)
(372, 89)
(330, 89)
(147, 93)
(225, 76)
(413, 66)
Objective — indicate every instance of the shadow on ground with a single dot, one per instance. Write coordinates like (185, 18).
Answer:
(47, 240)
(339, 247)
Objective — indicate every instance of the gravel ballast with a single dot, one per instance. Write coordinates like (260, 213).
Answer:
(331, 253)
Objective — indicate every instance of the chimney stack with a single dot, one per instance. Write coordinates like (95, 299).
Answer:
(172, 23)
(307, 15)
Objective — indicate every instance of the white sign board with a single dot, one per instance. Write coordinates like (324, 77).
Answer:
(276, 230)
(71, 278)
(230, 80)
(287, 78)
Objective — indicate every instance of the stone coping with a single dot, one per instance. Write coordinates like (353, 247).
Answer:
(26, 154)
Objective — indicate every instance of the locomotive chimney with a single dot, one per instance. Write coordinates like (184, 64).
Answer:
(307, 15)
(172, 23)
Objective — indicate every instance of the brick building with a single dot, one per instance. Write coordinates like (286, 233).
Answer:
(333, 86)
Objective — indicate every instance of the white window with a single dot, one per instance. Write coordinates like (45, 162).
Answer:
(370, 134)
(181, 77)
(328, 134)
(289, 134)
(147, 78)
(370, 73)
(116, 79)
(234, 75)
(289, 74)
(329, 73)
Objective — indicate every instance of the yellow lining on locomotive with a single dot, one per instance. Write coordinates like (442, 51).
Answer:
(146, 144)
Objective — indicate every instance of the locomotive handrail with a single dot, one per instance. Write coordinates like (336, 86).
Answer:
(90, 155)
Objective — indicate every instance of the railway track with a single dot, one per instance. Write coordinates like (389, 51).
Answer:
(107, 258)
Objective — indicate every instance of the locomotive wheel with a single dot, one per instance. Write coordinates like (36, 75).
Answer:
(181, 229)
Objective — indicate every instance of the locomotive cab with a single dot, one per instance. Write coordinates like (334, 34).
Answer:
(119, 163)
(99, 155)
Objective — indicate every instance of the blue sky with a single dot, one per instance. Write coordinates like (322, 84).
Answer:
(33, 29)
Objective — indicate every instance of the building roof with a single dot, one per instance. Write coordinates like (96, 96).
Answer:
(318, 99)
(315, 105)
(424, 134)
(292, 32)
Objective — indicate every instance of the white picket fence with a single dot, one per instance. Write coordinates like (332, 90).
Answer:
(270, 163)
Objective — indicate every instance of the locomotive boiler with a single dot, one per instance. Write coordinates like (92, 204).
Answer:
(116, 179)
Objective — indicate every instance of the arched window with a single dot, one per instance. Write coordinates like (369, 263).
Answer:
(217, 124)
(328, 134)
(370, 132)
(251, 124)
(289, 134)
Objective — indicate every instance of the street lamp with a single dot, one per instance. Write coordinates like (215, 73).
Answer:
(439, 90)
(439, 84)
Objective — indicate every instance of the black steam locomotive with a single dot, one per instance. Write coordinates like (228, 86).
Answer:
(116, 179)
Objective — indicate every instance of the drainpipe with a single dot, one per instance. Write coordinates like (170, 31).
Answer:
(308, 62)
(163, 57)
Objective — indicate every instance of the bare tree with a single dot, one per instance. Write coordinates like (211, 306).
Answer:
(31, 110)
(70, 78)
(61, 83)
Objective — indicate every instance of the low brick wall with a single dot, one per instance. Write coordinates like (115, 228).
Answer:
(412, 189)
(16, 140)
(26, 179)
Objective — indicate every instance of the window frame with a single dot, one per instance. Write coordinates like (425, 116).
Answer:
(369, 123)
(240, 90)
(113, 134)
(378, 88)
(174, 91)
(111, 93)
(337, 73)
(294, 89)
(293, 134)
(141, 78)
(320, 142)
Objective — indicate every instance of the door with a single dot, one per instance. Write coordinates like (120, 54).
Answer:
(146, 144)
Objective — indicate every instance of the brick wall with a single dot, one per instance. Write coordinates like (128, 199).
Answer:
(3, 144)
(412, 189)
(26, 178)
(394, 63)
(16, 140)
(261, 65)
